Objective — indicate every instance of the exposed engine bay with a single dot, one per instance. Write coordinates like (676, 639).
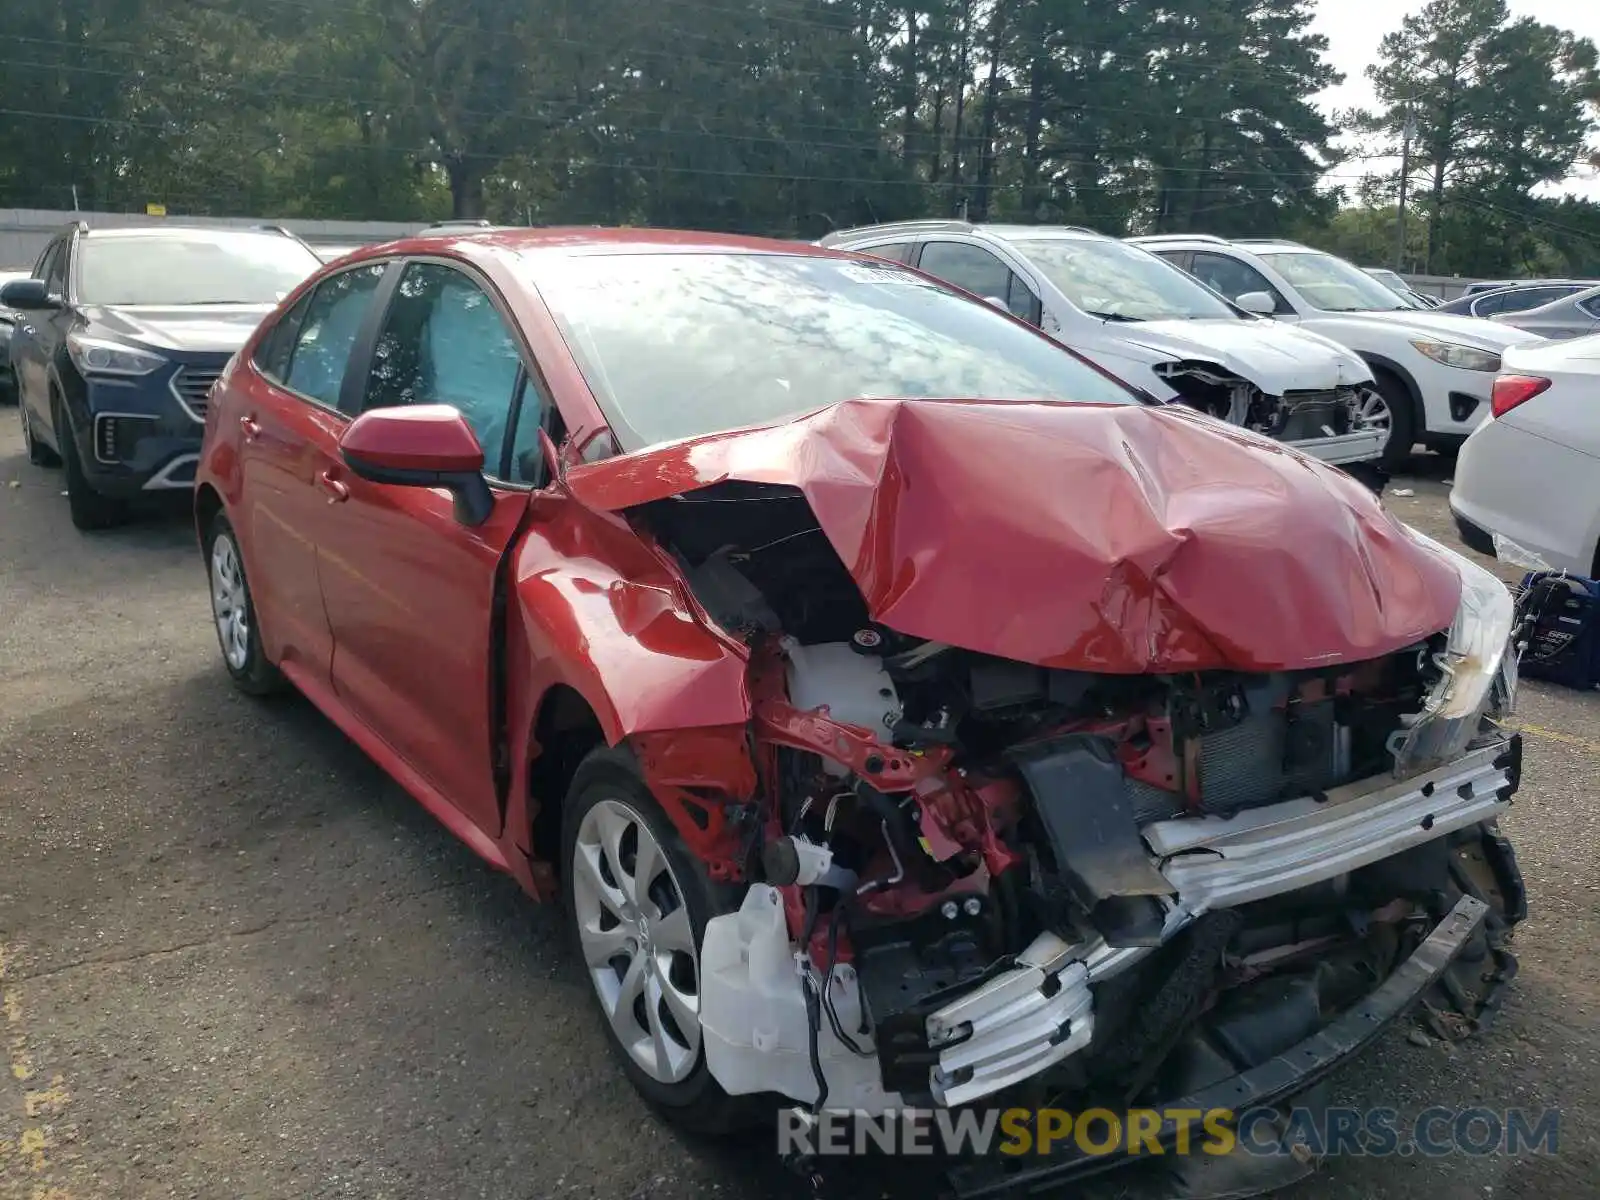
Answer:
(1292, 417)
(996, 874)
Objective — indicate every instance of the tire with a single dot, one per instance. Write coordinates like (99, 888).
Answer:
(608, 809)
(39, 454)
(233, 613)
(1402, 420)
(90, 509)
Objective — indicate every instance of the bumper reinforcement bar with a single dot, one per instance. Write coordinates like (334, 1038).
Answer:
(1274, 1081)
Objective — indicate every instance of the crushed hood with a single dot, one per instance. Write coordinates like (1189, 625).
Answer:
(1104, 538)
(1276, 358)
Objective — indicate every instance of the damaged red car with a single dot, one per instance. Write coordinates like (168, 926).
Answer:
(909, 715)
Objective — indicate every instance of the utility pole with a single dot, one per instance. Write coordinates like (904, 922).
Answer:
(1407, 132)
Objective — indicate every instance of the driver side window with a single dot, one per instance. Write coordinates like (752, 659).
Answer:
(444, 342)
(974, 269)
(1233, 278)
(53, 269)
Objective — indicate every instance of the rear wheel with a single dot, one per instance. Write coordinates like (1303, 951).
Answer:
(90, 509)
(637, 905)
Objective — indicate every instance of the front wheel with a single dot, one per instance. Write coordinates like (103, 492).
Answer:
(637, 904)
(90, 509)
(1389, 407)
(234, 613)
(39, 454)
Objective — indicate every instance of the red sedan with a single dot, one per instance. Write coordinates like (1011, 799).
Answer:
(871, 675)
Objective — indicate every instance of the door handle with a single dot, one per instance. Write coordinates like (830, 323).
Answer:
(335, 488)
(251, 427)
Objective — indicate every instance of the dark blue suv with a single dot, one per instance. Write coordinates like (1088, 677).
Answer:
(122, 333)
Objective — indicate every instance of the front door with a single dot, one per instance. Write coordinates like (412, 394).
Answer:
(288, 426)
(409, 590)
(37, 340)
(1222, 273)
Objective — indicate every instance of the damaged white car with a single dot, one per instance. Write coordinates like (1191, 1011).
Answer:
(1156, 327)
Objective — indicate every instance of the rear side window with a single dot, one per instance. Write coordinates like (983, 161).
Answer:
(328, 330)
(1521, 301)
(273, 351)
(1592, 307)
(899, 252)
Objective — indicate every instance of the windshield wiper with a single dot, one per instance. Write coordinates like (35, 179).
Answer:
(1105, 316)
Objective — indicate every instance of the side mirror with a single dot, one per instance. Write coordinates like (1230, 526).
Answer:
(27, 295)
(1260, 303)
(425, 445)
(998, 302)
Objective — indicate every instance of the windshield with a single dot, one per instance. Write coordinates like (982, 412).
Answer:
(193, 267)
(1113, 280)
(676, 345)
(1331, 284)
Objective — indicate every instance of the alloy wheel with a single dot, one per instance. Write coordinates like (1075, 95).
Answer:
(230, 603)
(638, 940)
(1372, 412)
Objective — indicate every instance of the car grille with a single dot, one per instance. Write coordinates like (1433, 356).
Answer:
(192, 385)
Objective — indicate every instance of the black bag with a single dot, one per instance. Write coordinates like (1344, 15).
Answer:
(1558, 628)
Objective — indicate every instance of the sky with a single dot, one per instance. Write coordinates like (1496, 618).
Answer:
(1355, 27)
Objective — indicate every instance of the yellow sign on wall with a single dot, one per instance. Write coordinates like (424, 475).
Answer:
(155, 210)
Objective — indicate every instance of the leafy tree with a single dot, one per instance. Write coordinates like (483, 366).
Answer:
(1498, 108)
(791, 117)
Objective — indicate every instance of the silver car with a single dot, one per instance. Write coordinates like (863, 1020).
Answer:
(1572, 316)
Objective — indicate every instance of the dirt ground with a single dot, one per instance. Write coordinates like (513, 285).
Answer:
(239, 963)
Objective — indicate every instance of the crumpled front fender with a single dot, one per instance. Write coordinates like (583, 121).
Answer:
(600, 612)
(594, 609)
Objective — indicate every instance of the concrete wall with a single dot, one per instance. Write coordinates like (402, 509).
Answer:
(24, 232)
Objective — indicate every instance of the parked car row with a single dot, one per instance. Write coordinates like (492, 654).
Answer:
(1396, 283)
(907, 711)
(1345, 370)
(1154, 326)
(1344, 367)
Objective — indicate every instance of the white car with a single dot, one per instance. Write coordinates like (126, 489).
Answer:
(1153, 326)
(1435, 369)
(1527, 486)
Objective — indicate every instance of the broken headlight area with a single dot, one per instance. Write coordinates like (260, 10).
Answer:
(1472, 670)
(1299, 415)
(975, 878)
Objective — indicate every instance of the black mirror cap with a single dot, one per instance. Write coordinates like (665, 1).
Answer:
(27, 295)
(23, 295)
(473, 499)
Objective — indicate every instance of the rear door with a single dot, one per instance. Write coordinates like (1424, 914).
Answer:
(409, 590)
(287, 419)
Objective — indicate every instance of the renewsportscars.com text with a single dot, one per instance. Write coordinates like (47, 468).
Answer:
(1378, 1132)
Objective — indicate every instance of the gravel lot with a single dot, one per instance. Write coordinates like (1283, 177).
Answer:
(239, 963)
